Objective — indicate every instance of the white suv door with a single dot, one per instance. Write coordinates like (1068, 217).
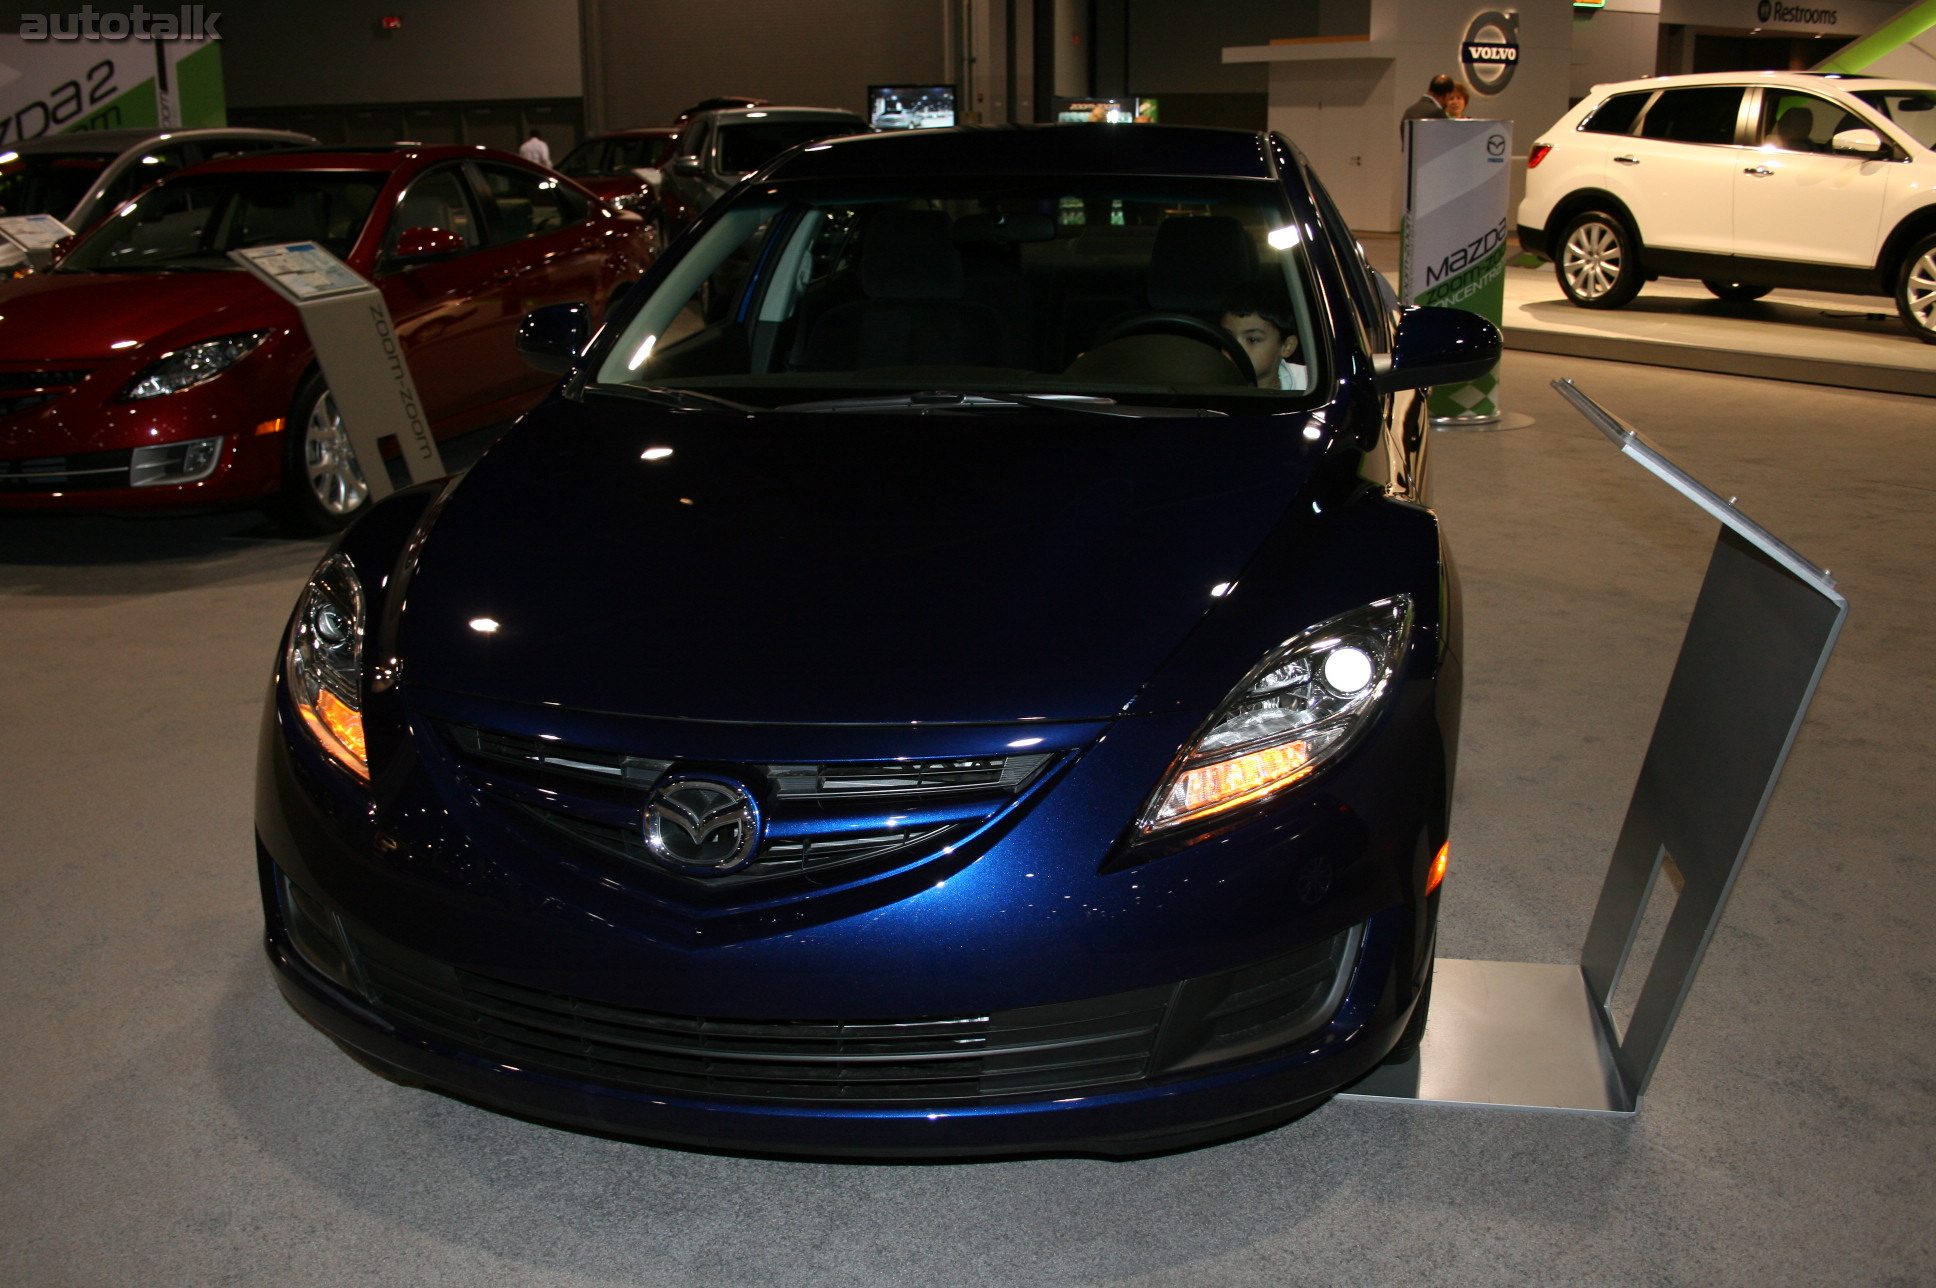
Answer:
(1677, 174)
(1795, 198)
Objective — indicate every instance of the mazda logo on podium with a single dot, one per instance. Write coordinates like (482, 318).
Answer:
(702, 824)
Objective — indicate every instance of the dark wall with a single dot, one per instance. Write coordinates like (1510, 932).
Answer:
(648, 59)
(1177, 48)
(278, 53)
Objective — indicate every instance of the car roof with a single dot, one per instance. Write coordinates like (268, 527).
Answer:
(636, 132)
(115, 142)
(1818, 81)
(1081, 148)
(734, 115)
(337, 156)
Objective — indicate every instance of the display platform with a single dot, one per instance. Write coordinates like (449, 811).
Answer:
(1851, 341)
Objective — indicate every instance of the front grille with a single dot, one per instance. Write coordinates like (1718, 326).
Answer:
(817, 816)
(79, 472)
(1029, 1051)
(20, 390)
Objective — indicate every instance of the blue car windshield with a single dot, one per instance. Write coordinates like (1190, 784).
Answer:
(1179, 291)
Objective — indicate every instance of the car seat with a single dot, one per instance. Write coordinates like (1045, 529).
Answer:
(913, 311)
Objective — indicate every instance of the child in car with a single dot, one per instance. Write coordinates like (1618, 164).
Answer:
(1264, 325)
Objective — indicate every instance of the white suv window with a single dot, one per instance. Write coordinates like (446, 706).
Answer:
(1703, 114)
(1617, 114)
(1794, 122)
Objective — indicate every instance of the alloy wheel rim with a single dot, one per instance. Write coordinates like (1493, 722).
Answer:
(335, 477)
(1919, 291)
(1591, 260)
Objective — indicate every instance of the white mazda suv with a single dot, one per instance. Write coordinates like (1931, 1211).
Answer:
(1746, 181)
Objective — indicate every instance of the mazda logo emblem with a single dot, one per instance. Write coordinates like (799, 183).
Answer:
(702, 824)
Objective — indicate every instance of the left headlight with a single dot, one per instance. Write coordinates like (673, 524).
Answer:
(192, 365)
(1304, 704)
(325, 663)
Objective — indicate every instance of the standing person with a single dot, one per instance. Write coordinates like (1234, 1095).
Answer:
(1456, 100)
(1431, 106)
(534, 149)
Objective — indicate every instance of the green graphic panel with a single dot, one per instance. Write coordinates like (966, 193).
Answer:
(131, 108)
(198, 89)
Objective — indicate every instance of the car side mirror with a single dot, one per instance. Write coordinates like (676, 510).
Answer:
(1861, 142)
(1437, 346)
(688, 166)
(417, 245)
(551, 338)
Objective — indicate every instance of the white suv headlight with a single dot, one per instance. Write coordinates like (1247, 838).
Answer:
(1304, 704)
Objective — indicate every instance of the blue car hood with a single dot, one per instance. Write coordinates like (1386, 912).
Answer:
(839, 568)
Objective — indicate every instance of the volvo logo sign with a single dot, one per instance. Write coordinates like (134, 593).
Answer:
(702, 824)
(1490, 50)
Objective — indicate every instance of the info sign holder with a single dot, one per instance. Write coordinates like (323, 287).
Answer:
(35, 235)
(356, 345)
(1535, 1036)
(1458, 184)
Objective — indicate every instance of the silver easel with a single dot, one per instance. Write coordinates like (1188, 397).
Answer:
(1545, 1037)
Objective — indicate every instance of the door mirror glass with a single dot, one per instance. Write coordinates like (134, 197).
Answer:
(1859, 142)
(689, 167)
(1439, 346)
(551, 338)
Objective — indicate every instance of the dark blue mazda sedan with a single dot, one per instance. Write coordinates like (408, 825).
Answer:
(962, 664)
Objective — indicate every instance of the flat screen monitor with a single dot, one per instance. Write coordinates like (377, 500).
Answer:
(1115, 110)
(910, 107)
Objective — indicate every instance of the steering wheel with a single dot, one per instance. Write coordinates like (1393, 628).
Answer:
(1190, 327)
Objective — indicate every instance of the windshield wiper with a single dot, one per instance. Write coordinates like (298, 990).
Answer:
(686, 399)
(964, 400)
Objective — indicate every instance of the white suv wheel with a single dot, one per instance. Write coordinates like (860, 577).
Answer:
(1597, 265)
(1916, 290)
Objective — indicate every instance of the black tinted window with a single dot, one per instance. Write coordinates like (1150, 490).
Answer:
(1704, 115)
(750, 146)
(528, 203)
(1616, 115)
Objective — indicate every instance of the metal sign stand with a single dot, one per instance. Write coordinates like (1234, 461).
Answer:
(1545, 1037)
(357, 347)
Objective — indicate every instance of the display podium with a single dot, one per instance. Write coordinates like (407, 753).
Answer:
(1525, 1035)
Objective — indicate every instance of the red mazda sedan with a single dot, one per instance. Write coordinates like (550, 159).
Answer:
(148, 371)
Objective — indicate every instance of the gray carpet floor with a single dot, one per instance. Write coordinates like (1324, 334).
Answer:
(166, 1120)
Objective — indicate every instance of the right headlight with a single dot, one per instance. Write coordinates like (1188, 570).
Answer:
(324, 663)
(1304, 704)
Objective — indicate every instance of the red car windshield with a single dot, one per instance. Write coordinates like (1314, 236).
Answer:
(48, 183)
(193, 222)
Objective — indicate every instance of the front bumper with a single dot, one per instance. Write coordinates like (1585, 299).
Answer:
(365, 1009)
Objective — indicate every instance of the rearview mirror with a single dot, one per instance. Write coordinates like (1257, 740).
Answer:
(1437, 346)
(688, 166)
(551, 338)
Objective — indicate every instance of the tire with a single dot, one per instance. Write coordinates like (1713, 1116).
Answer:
(1735, 292)
(1916, 289)
(322, 482)
(1414, 1033)
(1598, 261)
